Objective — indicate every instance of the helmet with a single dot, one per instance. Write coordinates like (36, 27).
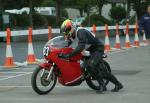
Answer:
(66, 27)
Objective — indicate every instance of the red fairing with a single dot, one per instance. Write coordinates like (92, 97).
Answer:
(45, 66)
(70, 70)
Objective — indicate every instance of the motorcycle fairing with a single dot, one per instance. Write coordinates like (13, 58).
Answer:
(45, 66)
(70, 69)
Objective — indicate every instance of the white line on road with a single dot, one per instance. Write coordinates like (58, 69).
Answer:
(15, 76)
(14, 72)
(118, 51)
(9, 86)
(4, 76)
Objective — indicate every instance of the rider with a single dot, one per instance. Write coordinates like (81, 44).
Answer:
(86, 40)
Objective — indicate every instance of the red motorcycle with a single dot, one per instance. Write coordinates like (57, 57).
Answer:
(68, 72)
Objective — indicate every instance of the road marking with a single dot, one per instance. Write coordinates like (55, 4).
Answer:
(14, 72)
(15, 76)
(118, 51)
(4, 76)
(8, 86)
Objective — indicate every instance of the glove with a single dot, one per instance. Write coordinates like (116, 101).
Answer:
(85, 53)
(64, 56)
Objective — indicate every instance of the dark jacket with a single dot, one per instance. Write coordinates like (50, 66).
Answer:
(144, 24)
(85, 38)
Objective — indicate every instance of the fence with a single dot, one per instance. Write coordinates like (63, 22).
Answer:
(56, 30)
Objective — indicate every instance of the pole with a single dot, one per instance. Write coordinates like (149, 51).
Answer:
(30, 13)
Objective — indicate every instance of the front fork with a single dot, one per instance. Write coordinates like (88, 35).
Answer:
(50, 71)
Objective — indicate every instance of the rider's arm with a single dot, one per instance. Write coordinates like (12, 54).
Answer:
(81, 43)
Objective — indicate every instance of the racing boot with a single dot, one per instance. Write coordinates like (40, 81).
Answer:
(114, 80)
(117, 87)
(101, 89)
(102, 86)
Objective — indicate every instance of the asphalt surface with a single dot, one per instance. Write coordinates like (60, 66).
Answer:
(131, 67)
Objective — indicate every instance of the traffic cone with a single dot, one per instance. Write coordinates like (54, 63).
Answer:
(9, 62)
(127, 40)
(107, 44)
(136, 39)
(144, 39)
(49, 33)
(94, 28)
(117, 45)
(31, 59)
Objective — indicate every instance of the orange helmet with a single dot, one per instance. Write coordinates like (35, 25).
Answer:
(66, 27)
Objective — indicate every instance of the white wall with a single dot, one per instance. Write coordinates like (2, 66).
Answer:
(42, 10)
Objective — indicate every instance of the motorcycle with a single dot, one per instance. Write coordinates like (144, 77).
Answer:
(68, 72)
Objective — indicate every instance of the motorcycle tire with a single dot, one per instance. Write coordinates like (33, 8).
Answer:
(35, 86)
(90, 83)
(108, 69)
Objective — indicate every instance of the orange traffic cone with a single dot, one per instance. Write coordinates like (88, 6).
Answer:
(127, 40)
(9, 62)
(31, 59)
(117, 45)
(107, 44)
(136, 39)
(94, 28)
(49, 33)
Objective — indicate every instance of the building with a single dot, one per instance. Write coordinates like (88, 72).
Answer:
(41, 10)
(46, 10)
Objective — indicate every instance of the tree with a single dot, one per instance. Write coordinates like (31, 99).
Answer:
(11, 4)
(58, 10)
(118, 13)
(47, 3)
(139, 6)
(1, 5)
(100, 4)
(58, 4)
(17, 4)
(81, 4)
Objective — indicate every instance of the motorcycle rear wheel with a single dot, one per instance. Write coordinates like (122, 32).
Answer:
(92, 83)
(40, 82)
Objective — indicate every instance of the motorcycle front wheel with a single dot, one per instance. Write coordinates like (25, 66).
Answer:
(92, 83)
(39, 81)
